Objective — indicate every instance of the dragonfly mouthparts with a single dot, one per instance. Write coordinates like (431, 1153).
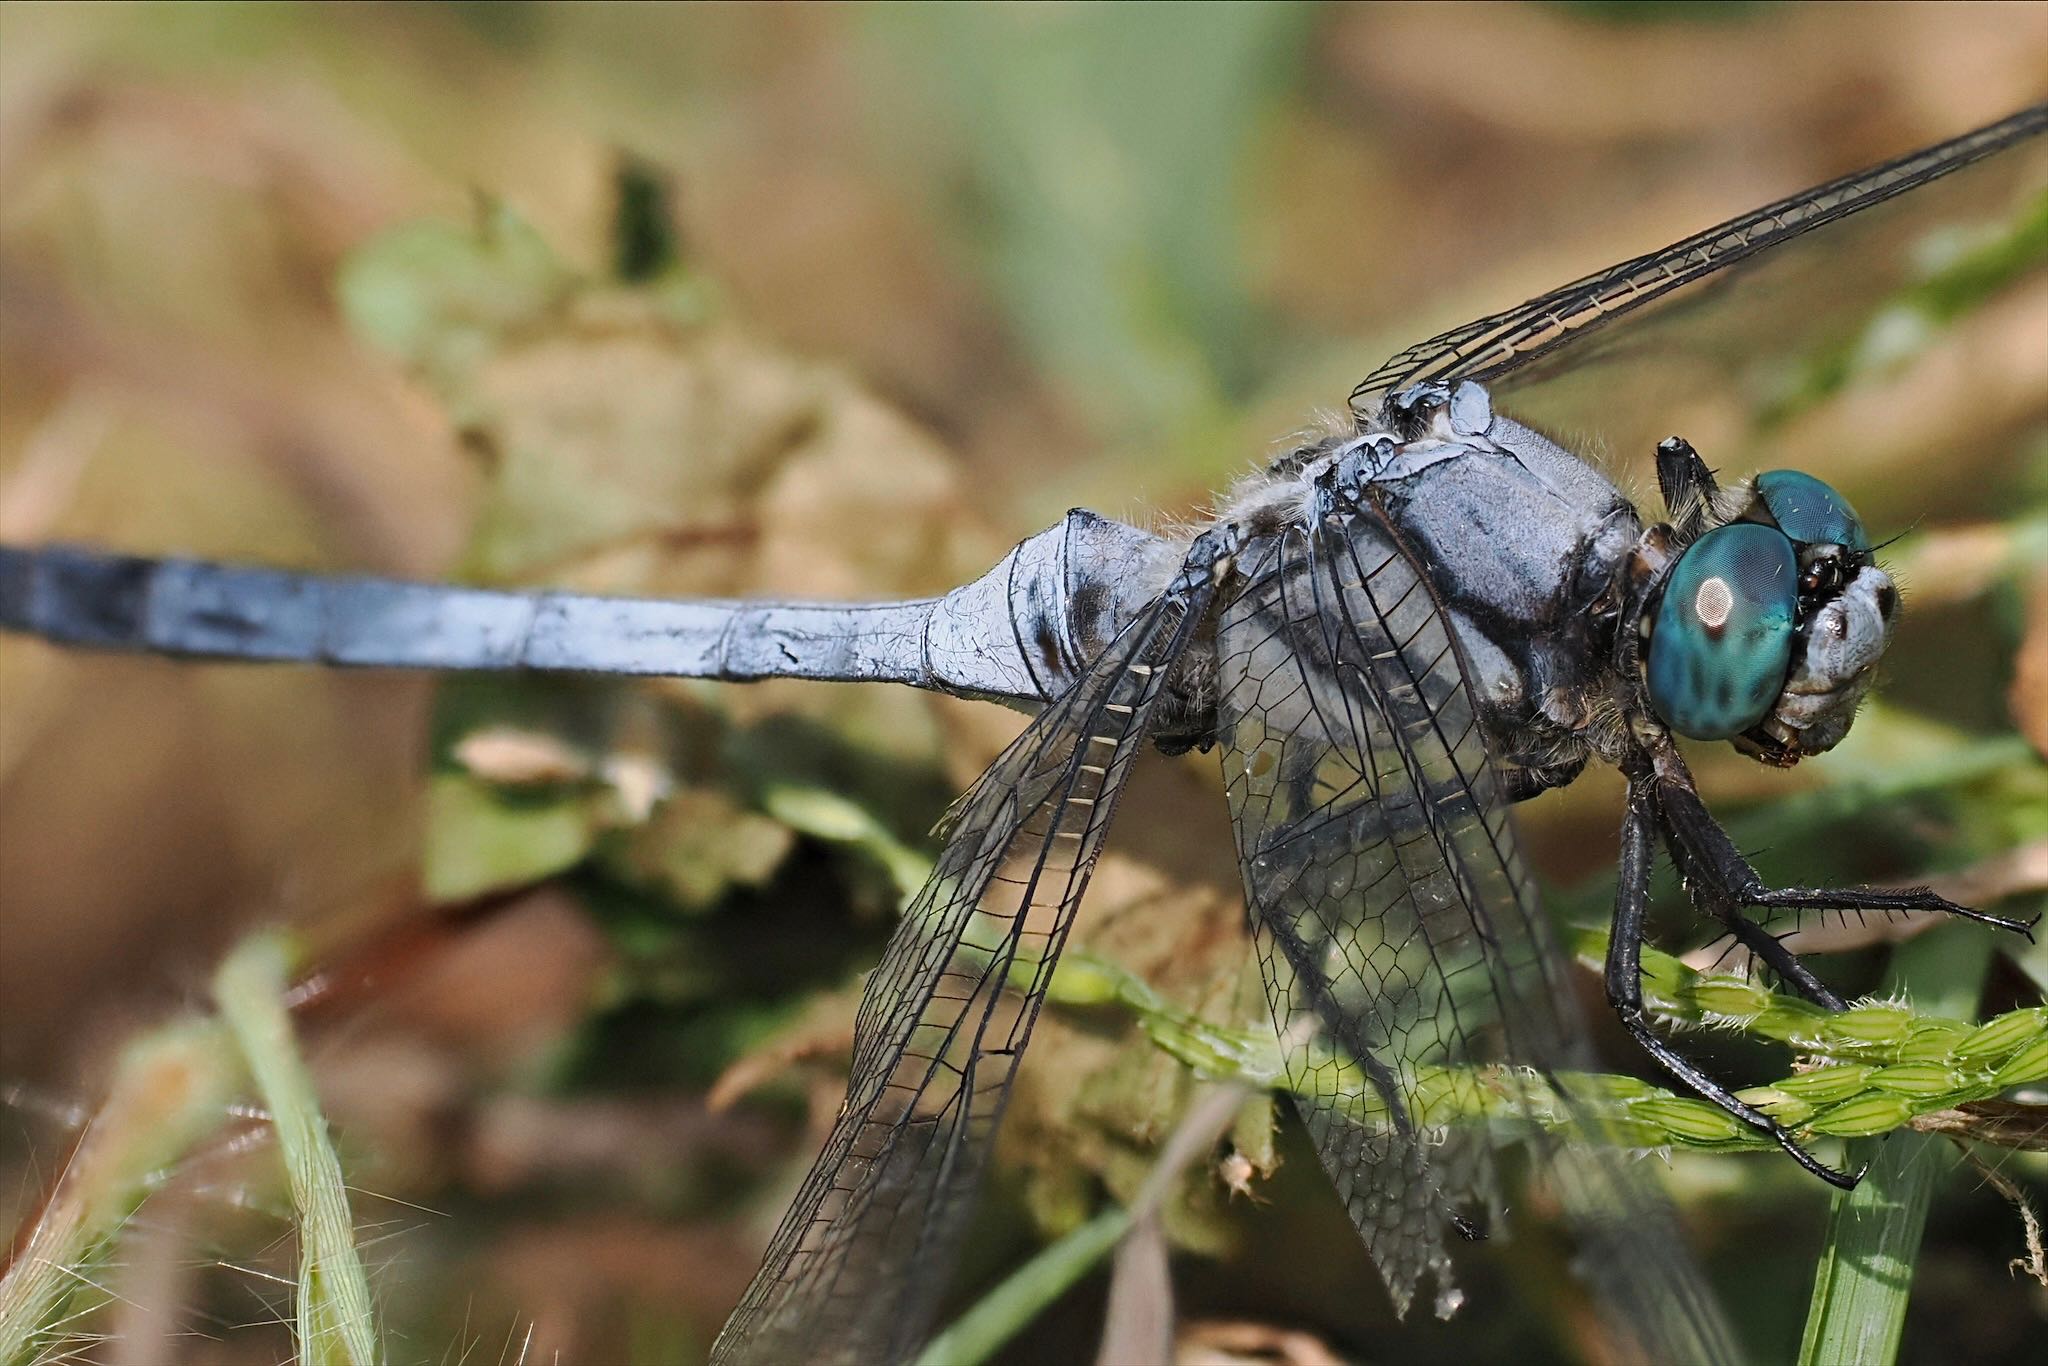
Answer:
(1843, 640)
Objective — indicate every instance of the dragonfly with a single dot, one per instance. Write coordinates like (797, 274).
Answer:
(1421, 613)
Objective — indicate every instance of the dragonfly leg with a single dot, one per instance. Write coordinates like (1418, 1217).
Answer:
(1710, 858)
(1704, 889)
(1520, 782)
(1880, 899)
(1781, 960)
(1687, 484)
(1625, 983)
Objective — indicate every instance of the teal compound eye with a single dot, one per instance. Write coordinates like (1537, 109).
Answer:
(1809, 511)
(1723, 640)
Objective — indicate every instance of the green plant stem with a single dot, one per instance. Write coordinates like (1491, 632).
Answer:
(1008, 1309)
(1858, 1307)
(1005, 1311)
(335, 1324)
(1887, 1063)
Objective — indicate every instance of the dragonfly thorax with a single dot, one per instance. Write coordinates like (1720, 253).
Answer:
(1528, 548)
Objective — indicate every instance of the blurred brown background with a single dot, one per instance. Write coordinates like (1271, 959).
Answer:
(941, 273)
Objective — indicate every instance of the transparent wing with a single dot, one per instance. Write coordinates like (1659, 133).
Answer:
(1494, 346)
(1406, 958)
(859, 1261)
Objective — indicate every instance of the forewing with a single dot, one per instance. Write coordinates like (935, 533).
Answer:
(1405, 954)
(860, 1259)
(1494, 346)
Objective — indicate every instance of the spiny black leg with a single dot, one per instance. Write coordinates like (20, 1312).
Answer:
(1710, 856)
(1878, 899)
(1688, 485)
(1625, 985)
(1751, 935)
(1782, 961)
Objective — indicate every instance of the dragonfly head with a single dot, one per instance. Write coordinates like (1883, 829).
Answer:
(1772, 623)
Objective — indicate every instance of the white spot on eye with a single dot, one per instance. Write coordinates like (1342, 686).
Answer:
(1713, 603)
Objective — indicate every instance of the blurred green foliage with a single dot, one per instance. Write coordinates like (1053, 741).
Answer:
(1097, 159)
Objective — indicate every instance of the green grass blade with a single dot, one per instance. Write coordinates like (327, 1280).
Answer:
(1865, 1275)
(1005, 1311)
(1866, 1267)
(335, 1324)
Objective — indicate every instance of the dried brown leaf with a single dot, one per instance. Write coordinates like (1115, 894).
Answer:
(1246, 1342)
(825, 1030)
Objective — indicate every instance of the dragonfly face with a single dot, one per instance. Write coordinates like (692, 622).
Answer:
(1771, 625)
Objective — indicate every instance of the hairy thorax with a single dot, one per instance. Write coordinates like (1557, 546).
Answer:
(1526, 545)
